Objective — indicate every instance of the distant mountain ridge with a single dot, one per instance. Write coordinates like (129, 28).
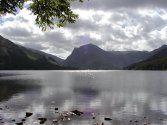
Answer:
(89, 56)
(92, 57)
(17, 57)
(156, 61)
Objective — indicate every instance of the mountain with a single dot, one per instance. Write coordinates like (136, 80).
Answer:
(92, 57)
(49, 56)
(124, 58)
(16, 57)
(89, 57)
(156, 61)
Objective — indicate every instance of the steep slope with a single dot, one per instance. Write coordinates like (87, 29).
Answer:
(48, 56)
(89, 57)
(13, 56)
(158, 61)
(92, 57)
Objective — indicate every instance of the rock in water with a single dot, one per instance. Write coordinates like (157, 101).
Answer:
(20, 123)
(107, 119)
(42, 120)
(77, 112)
(28, 114)
(56, 108)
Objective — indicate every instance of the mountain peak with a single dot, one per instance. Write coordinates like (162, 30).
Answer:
(90, 45)
(163, 46)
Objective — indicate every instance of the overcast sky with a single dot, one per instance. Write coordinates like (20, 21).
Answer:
(109, 24)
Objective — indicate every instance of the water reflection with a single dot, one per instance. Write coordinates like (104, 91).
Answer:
(8, 88)
(123, 96)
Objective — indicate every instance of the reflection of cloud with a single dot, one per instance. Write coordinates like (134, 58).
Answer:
(120, 98)
(159, 105)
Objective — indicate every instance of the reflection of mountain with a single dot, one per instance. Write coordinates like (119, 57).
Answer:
(86, 91)
(8, 88)
(85, 87)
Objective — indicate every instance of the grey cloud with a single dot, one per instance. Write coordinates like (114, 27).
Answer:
(83, 25)
(35, 45)
(153, 23)
(114, 4)
(58, 40)
(86, 39)
(16, 32)
(156, 43)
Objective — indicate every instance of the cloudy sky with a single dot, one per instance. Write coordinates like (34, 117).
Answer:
(109, 24)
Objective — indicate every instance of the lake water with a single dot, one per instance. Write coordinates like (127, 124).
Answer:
(140, 96)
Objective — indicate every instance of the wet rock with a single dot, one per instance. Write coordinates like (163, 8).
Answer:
(20, 123)
(107, 119)
(136, 121)
(42, 120)
(28, 114)
(76, 112)
(23, 119)
(56, 108)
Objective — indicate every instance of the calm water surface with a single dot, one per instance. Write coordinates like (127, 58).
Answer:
(120, 95)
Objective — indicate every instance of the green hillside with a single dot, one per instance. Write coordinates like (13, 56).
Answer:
(155, 62)
(15, 57)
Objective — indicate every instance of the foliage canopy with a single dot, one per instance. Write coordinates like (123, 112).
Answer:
(48, 12)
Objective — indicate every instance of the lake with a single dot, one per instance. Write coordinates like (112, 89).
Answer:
(127, 97)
